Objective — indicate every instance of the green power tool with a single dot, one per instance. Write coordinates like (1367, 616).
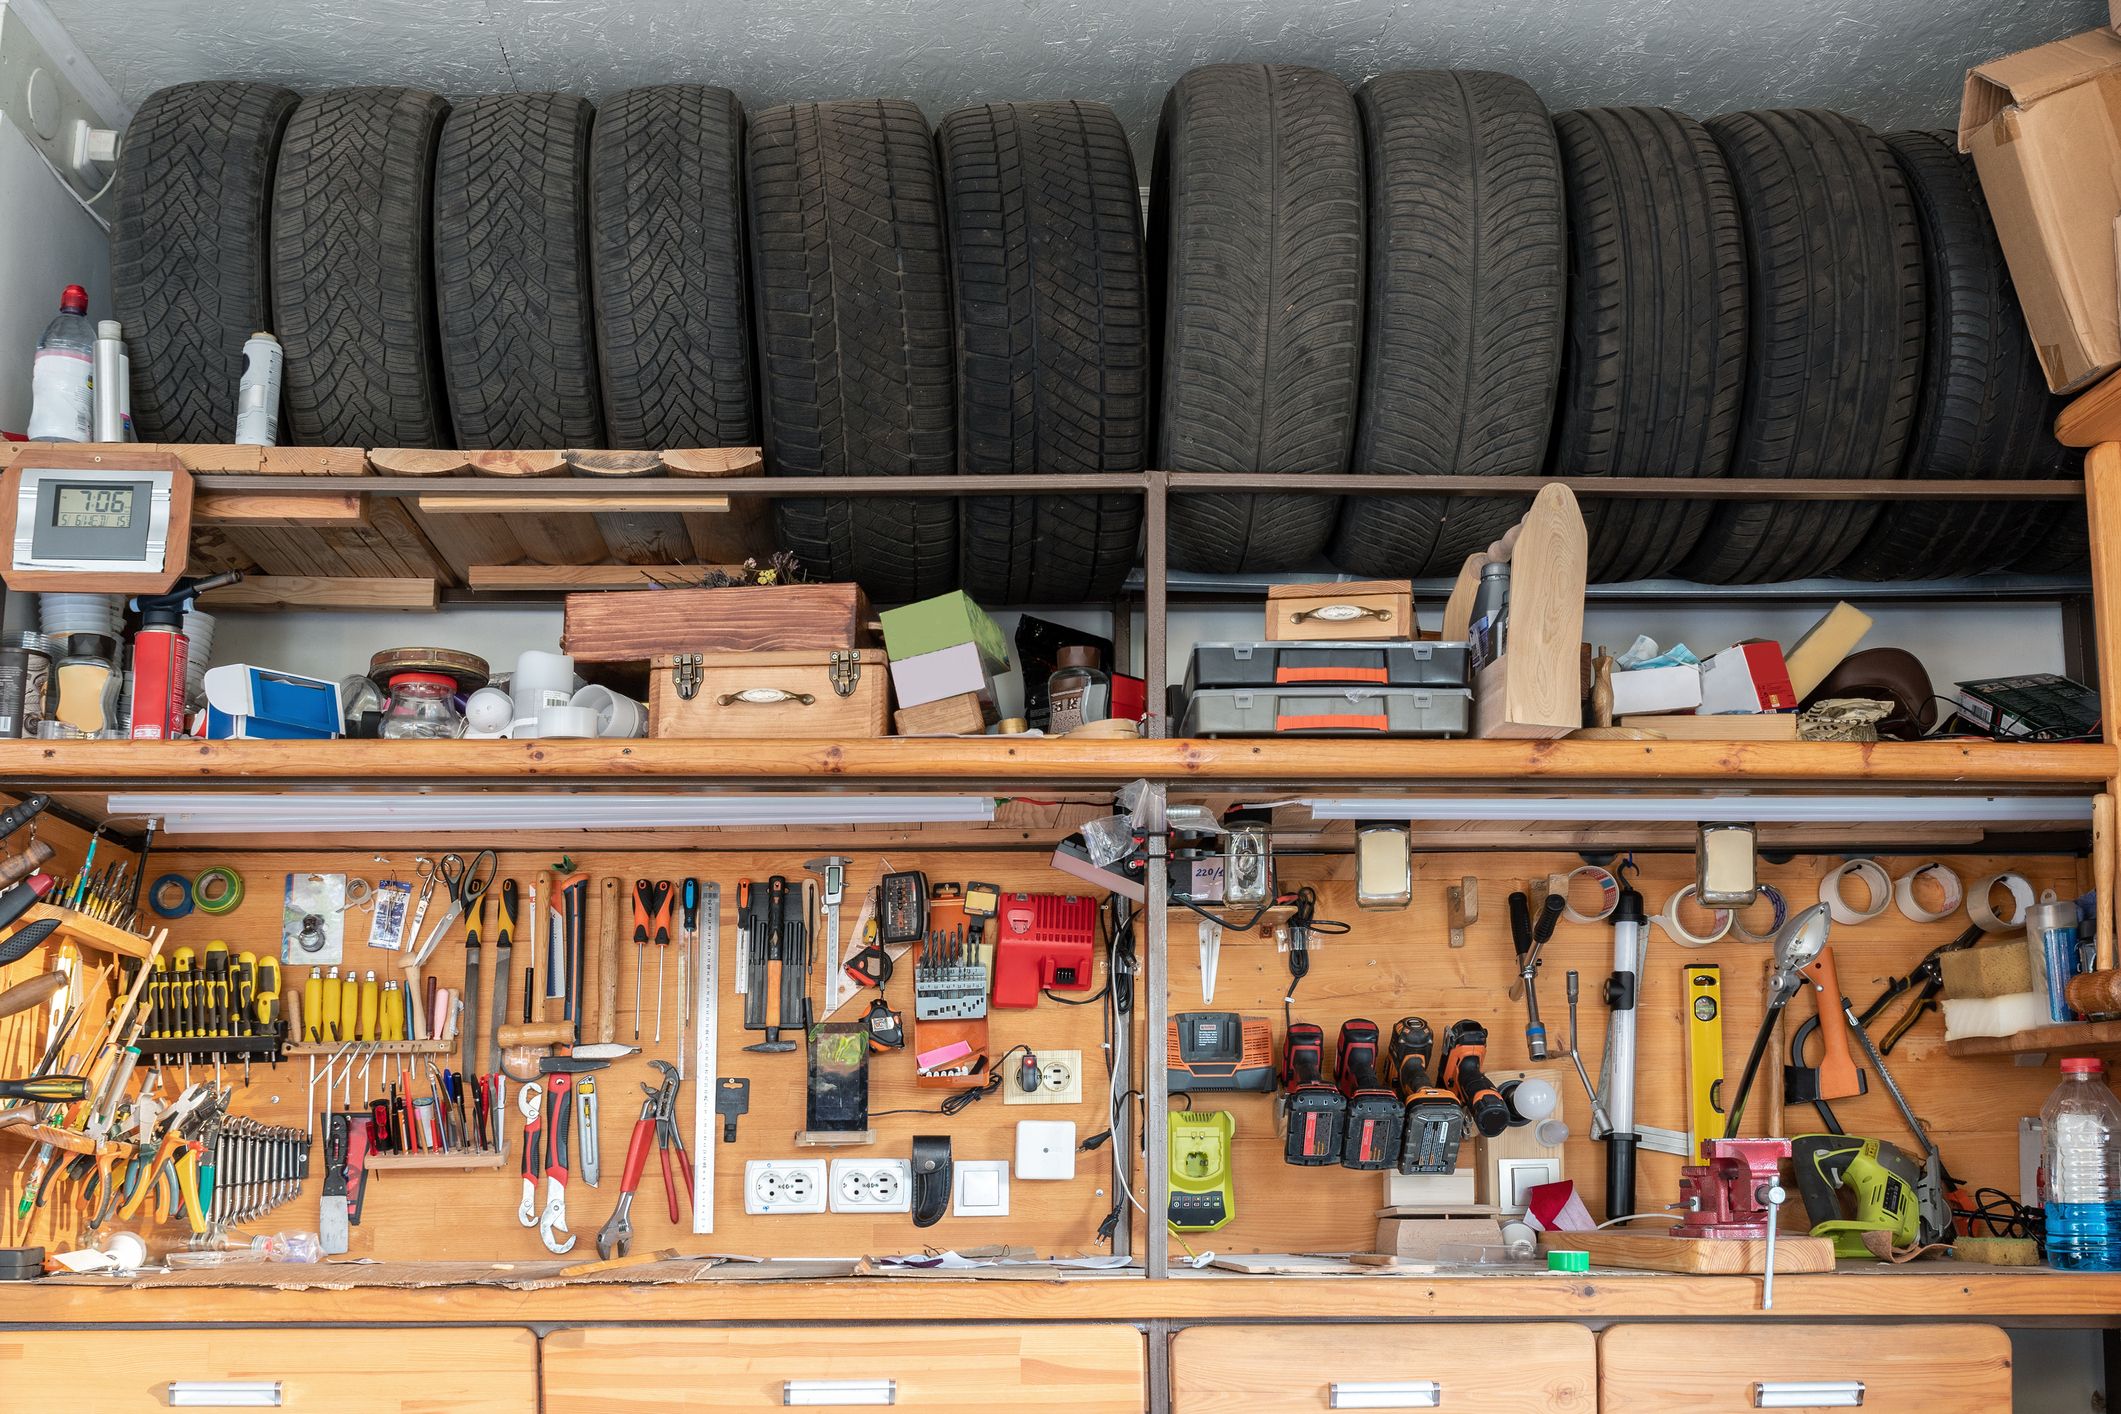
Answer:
(1852, 1186)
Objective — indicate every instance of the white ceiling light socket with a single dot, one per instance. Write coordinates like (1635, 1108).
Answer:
(871, 1186)
(981, 1188)
(784, 1186)
(1045, 1149)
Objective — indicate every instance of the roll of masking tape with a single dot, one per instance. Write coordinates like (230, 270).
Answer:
(1608, 892)
(1945, 879)
(1874, 879)
(1984, 915)
(1679, 933)
(217, 890)
(1782, 912)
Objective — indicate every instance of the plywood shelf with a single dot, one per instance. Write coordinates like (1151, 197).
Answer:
(2065, 1038)
(93, 932)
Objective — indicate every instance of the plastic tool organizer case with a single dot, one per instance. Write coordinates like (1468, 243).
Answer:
(1327, 689)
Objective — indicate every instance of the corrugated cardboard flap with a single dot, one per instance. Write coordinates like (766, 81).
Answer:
(2023, 79)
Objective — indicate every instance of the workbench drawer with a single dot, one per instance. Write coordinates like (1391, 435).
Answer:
(332, 1371)
(1081, 1368)
(1486, 1369)
(1908, 1369)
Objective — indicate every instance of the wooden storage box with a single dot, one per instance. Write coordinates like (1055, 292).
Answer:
(835, 696)
(1535, 689)
(1371, 608)
(634, 625)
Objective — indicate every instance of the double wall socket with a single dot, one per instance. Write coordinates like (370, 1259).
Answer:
(871, 1186)
(784, 1186)
(1060, 1081)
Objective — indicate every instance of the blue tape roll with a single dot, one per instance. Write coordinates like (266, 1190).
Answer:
(181, 907)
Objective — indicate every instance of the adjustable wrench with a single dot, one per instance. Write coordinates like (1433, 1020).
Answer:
(554, 1220)
(530, 1101)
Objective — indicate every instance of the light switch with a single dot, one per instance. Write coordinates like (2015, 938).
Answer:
(982, 1189)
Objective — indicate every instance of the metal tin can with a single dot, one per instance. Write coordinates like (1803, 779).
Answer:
(258, 395)
(27, 703)
(14, 668)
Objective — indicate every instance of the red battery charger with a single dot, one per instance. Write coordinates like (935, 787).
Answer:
(1042, 942)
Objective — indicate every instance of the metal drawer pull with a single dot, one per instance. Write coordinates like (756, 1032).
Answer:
(223, 1394)
(1385, 1394)
(1340, 614)
(763, 697)
(1807, 1394)
(839, 1392)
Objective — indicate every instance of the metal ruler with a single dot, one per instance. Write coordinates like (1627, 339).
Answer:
(707, 978)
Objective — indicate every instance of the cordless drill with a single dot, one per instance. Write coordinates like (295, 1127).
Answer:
(1465, 1048)
(1435, 1121)
(1376, 1120)
(1314, 1112)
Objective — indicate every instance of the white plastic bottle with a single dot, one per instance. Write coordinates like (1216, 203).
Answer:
(62, 395)
(2080, 1170)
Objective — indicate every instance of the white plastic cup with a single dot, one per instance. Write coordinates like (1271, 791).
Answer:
(567, 720)
(616, 716)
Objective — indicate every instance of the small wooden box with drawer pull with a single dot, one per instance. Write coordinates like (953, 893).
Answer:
(807, 695)
(1371, 608)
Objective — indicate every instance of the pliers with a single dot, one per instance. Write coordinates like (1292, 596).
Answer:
(1926, 979)
(668, 1138)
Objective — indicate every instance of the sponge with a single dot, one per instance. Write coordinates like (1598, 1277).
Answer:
(1998, 968)
(1998, 1251)
(1966, 1017)
(1823, 647)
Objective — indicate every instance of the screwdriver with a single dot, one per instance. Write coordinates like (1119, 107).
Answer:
(365, 1019)
(53, 1089)
(328, 1021)
(349, 1007)
(312, 1001)
(390, 1012)
(662, 949)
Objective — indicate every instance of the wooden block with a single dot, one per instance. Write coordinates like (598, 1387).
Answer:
(962, 715)
(1733, 726)
(2093, 416)
(200, 457)
(275, 508)
(1363, 609)
(610, 628)
(713, 461)
(314, 461)
(1823, 647)
(591, 463)
(522, 463)
(298, 591)
(417, 461)
(1700, 1256)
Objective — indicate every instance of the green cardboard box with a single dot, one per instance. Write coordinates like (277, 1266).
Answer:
(944, 622)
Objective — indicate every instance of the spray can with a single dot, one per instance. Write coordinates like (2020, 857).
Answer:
(258, 395)
(110, 382)
(161, 653)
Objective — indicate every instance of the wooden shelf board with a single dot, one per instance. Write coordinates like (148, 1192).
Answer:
(88, 930)
(2065, 1037)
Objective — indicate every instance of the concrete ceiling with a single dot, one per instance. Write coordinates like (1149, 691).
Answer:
(1892, 63)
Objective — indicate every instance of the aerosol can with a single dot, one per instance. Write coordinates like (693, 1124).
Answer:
(258, 395)
(160, 654)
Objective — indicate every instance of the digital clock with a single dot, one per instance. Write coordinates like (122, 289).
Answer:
(102, 521)
(93, 507)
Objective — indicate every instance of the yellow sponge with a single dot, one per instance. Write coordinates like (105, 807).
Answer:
(2000, 968)
(1998, 1251)
(1824, 645)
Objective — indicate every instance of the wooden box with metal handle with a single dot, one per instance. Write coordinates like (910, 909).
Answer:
(804, 694)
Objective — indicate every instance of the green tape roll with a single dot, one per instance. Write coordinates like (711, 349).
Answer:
(217, 890)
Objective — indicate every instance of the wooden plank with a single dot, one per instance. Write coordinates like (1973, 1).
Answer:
(2093, 416)
(1936, 1370)
(611, 501)
(417, 461)
(517, 463)
(714, 461)
(1654, 1252)
(209, 457)
(266, 508)
(565, 579)
(314, 461)
(1730, 726)
(601, 628)
(2065, 1038)
(1549, 1369)
(300, 591)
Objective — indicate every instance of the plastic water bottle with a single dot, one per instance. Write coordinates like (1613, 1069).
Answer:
(2080, 1170)
(62, 396)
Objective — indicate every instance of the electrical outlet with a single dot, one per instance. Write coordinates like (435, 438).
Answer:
(784, 1186)
(1060, 1081)
(872, 1186)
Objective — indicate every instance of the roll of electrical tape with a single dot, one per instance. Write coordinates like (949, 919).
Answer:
(1904, 893)
(1874, 878)
(1677, 931)
(157, 896)
(1608, 892)
(217, 890)
(1782, 912)
(1986, 917)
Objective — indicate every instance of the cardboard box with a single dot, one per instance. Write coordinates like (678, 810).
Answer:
(1749, 677)
(1673, 689)
(947, 672)
(1424, 1238)
(2044, 128)
(944, 622)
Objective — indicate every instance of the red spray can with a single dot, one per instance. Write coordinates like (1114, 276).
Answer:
(160, 655)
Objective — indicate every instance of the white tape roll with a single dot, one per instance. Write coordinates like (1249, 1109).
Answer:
(1874, 878)
(1608, 892)
(1904, 893)
(1782, 912)
(1982, 914)
(1677, 931)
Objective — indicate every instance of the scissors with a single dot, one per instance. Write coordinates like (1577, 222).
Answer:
(467, 884)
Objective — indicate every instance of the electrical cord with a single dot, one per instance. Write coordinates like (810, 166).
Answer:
(965, 1099)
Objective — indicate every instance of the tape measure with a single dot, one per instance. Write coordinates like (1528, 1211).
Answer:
(1705, 1115)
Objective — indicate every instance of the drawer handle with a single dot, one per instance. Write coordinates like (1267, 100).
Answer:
(1385, 1394)
(222, 1394)
(1807, 1394)
(763, 697)
(1341, 614)
(839, 1392)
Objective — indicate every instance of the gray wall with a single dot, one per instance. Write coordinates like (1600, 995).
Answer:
(1892, 63)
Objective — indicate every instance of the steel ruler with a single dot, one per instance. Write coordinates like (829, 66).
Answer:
(707, 977)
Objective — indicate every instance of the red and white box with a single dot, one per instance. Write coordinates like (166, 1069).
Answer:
(1748, 677)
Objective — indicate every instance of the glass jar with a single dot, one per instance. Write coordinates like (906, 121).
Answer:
(422, 708)
(1078, 690)
(86, 683)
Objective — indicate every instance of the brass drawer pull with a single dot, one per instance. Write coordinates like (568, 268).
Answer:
(222, 1394)
(1339, 613)
(1807, 1394)
(1385, 1394)
(839, 1392)
(764, 697)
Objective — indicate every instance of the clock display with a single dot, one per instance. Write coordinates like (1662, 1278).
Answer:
(94, 508)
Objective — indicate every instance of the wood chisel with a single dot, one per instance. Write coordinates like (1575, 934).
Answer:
(706, 979)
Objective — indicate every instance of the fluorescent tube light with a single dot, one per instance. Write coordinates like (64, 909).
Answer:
(1687, 809)
(317, 811)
